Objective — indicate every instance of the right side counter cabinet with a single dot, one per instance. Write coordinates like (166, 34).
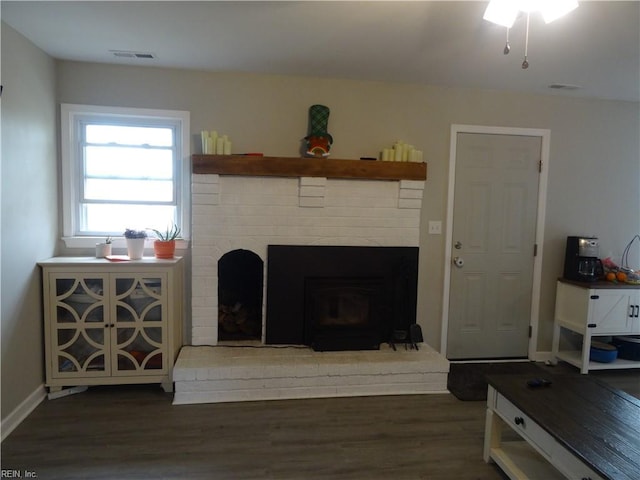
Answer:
(599, 311)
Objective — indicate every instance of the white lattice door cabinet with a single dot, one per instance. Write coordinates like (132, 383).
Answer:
(111, 322)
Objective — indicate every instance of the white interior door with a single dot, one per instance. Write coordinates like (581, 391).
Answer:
(493, 240)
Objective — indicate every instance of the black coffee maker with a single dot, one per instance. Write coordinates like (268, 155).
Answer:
(581, 260)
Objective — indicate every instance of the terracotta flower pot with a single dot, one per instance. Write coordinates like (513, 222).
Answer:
(164, 249)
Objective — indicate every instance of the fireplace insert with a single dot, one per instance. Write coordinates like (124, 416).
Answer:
(340, 297)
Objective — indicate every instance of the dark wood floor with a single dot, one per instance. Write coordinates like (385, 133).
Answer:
(135, 433)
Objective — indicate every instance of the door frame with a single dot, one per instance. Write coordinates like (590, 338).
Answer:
(545, 136)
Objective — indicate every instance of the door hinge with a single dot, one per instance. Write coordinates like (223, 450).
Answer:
(535, 249)
(530, 331)
(540, 166)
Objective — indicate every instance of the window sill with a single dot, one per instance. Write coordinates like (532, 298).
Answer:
(116, 242)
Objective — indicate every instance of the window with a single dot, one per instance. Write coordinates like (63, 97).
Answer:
(123, 168)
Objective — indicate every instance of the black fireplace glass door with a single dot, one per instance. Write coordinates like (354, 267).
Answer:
(342, 313)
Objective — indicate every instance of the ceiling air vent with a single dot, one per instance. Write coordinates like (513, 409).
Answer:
(564, 86)
(127, 54)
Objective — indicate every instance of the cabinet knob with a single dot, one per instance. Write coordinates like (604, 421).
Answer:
(519, 421)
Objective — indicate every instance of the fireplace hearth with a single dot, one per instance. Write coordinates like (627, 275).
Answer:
(340, 297)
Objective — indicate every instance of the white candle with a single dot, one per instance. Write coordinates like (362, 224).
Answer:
(406, 153)
(214, 141)
(204, 135)
(397, 152)
(220, 146)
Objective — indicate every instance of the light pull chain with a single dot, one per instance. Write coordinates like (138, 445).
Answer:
(525, 63)
(507, 46)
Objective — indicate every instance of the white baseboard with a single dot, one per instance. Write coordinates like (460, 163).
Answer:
(22, 411)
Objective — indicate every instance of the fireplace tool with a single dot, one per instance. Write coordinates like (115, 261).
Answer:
(415, 337)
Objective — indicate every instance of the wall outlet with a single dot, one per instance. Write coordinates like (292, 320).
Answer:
(435, 227)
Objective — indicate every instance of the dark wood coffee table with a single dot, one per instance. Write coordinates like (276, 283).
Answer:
(577, 427)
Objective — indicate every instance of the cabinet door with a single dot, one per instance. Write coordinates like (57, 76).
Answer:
(78, 327)
(611, 311)
(634, 313)
(139, 311)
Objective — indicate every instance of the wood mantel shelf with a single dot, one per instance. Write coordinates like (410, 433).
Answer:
(250, 165)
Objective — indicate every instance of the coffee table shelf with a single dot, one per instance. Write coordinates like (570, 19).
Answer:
(519, 458)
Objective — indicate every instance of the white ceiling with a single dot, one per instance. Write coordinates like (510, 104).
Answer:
(596, 47)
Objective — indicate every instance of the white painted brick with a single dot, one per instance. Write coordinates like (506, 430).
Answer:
(412, 184)
(312, 191)
(205, 188)
(204, 289)
(205, 178)
(318, 181)
(205, 198)
(408, 193)
(409, 203)
(208, 314)
(200, 338)
(203, 211)
(312, 202)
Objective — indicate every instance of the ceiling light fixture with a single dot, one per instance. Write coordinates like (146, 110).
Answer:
(505, 12)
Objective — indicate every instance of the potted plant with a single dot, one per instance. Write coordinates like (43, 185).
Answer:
(103, 249)
(135, 243)
(165, 244)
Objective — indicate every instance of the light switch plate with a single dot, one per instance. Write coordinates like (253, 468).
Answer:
(435, 227)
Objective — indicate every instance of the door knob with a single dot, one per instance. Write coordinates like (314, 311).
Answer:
(458, 262)
(457, 245)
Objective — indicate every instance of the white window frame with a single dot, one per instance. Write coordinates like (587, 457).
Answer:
(71, 116)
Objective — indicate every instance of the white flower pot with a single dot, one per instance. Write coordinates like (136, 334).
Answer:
(103, 249)
(135, 248)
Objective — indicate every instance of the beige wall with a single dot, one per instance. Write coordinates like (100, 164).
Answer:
(29, 210)
(595, 158)
(593, 181)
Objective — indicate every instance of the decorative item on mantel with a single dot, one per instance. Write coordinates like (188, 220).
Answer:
(318, 140)
(214, 144)
(135, 243)
(165, 245)
(401, 152)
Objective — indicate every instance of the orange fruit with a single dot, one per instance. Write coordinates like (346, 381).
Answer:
(621, 276)
(611, 276)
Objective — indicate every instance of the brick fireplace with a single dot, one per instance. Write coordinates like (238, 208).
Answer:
(248, 213)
